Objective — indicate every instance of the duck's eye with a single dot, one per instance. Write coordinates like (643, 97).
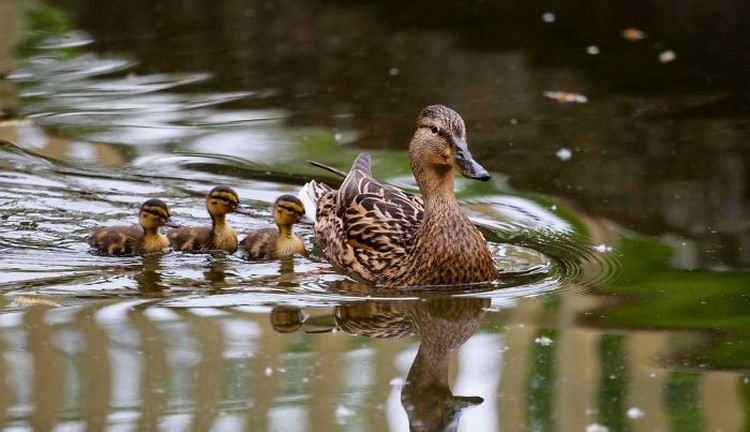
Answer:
(223, 199)
(153, 213)
(434, 129)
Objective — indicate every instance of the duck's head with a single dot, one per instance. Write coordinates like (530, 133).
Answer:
(155, 214)
(439, 144)
(223, 200)
(289, 210)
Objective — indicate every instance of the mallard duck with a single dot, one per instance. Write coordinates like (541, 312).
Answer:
(391, 238)
(273, 243)
(135, 240)
(221, 201)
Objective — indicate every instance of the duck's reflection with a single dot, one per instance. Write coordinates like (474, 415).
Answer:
(149, 279)
(442, 325)
(216, 272)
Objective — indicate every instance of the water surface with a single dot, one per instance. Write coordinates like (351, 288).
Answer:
(617, 218)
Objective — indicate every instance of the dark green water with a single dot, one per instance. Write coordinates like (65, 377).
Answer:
(618, 219)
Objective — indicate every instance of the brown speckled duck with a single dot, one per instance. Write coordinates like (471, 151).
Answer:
(135, 240)
(273, 243)
(221, 201)
(390, 238)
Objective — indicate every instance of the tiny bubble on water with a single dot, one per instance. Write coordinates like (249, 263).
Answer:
(635, 413)
(592, 50)
(564, 154)
(596, 427)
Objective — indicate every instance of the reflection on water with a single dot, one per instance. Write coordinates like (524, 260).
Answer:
(589, 327)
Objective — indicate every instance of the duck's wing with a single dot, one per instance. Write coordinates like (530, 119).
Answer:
(191, 239)
(117, 240)
(375, 216)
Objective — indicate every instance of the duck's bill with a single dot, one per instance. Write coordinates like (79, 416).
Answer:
(243, 210)
(172, 224)
(467, 165)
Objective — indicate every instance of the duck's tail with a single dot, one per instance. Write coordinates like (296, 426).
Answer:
(310, 194)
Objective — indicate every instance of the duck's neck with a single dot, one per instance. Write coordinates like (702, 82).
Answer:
(437, 190)
(285, 230)
(219, 221)
(150, 232)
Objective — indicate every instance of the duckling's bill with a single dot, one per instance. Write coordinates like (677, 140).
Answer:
(171, 223)
(243, 210)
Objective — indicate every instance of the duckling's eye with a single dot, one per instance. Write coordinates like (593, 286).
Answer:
(435, 130)
(223, 199)
(153, 213)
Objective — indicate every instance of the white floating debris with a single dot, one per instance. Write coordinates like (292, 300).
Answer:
(269, 371)
(592, 50)
(393, 71)
(596, 427)
(667, 56)
(544, 341)
(602, 248)
(564, 154)
(633, 34)
(343, 412)
(566, 97)
(635, 413)
(549, 17)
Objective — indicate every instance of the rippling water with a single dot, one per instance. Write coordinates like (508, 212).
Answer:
(589, 326)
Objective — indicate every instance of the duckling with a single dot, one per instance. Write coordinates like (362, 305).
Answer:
(383, 235)
(221, 201)
(134, 240)
(272, 243)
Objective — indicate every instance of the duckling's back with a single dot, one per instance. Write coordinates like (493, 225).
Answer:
(202, 239)
(260, 244)
(117, 241)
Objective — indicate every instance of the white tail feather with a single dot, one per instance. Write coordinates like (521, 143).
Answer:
(309, 195)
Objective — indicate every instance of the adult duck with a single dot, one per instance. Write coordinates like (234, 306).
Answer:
(391, 238)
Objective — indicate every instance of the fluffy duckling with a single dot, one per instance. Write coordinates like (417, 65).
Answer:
(221, 201)
(272, 243)
(388, 237)
(134, 240)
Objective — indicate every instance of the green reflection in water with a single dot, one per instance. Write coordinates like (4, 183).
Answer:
(613, 382)
(682, 402)
(542, 383)
(743, 384)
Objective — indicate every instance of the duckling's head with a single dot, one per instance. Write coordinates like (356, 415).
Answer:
(223, 200)
(289, 210)
(155, 214)
(439, 144)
